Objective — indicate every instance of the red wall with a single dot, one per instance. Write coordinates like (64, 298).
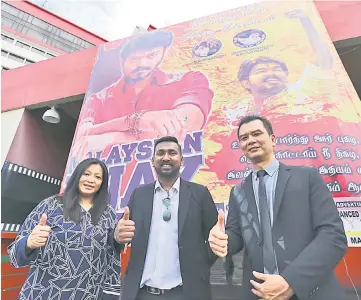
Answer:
(42, 146)
(60, 77)
(341, 18)
(12, 279)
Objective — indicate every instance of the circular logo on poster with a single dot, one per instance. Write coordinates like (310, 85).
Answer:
(207, 48)
(249, 38)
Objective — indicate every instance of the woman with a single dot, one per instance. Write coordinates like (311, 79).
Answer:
(68, 240)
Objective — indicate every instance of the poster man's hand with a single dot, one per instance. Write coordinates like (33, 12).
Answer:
(218, 239)
(39, 235)
(274, 287)
(164, 122)
(124, 232)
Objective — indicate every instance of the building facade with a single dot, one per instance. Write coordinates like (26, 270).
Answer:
(17, 51)
(30, 34)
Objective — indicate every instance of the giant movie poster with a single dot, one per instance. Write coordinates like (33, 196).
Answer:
(195, 80)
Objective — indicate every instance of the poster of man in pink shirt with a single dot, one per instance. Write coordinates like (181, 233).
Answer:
(146, 102)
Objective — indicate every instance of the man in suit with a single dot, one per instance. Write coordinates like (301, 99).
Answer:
(286, 220)
(168, 223)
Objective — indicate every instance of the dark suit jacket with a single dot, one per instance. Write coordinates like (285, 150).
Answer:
(197, 214)
(308, 234)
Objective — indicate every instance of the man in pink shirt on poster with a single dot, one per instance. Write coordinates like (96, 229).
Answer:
(146, 102)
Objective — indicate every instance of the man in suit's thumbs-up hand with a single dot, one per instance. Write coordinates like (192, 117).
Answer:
(218, 239)
(124, 232)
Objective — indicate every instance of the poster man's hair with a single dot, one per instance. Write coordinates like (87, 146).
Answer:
(147, 41)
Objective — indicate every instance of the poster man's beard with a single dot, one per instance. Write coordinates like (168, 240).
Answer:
(140, 77)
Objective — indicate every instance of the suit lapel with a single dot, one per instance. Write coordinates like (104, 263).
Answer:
(147, 205)
(184, 199)
(283, 176)
(248, 187)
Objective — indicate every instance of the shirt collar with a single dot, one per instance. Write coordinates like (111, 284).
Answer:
(271, 168)
(175, 186)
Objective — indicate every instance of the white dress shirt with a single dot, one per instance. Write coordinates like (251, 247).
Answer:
(161, 267)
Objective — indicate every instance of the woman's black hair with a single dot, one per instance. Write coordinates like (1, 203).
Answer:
(71, 197)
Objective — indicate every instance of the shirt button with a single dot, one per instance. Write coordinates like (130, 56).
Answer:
(259, 243)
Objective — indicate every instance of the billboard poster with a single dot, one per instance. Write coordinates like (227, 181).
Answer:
(195, 80)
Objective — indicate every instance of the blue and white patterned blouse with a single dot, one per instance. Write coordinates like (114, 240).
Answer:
(77, 260)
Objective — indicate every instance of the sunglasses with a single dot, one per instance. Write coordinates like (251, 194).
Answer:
(167, 214)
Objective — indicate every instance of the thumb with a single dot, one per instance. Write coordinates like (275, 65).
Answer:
(126, 213)
(260, 276)
(221, 220)
(43, 220)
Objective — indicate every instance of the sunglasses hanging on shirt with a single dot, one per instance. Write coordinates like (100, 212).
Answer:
(167, 214)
